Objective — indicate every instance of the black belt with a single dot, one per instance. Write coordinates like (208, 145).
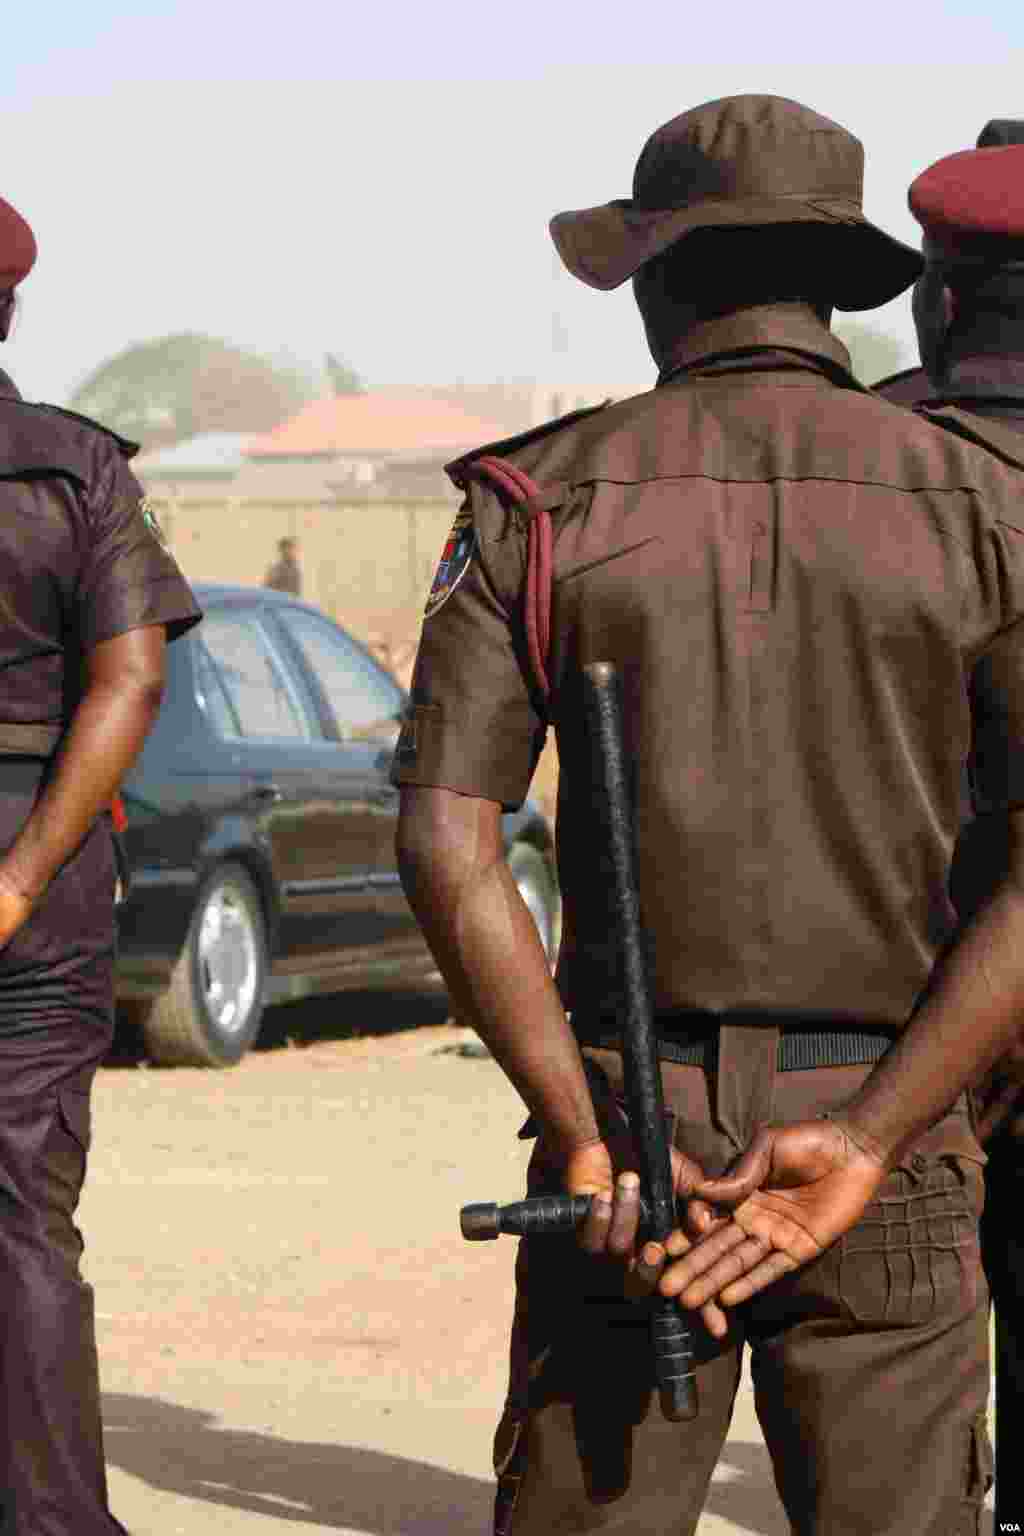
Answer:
(799, 1047)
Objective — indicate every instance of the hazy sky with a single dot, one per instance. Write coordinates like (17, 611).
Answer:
(376, 179)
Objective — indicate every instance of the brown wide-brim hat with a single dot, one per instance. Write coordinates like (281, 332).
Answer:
(743, 161)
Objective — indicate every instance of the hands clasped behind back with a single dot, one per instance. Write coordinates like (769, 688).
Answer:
(792, 1194)
(606, 1170)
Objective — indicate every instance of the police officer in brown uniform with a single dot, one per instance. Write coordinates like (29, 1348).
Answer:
(88, 598)
(811, 598)
(969, 310)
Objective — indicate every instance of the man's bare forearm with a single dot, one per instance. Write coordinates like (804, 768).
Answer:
(106, 734)
(454, 874)
(973, 1017)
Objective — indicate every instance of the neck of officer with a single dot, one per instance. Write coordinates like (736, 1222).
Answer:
(791, 325)
(8, 388)
(984, 347)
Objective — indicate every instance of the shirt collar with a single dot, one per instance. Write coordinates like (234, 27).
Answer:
(8, 389)
(738, 338)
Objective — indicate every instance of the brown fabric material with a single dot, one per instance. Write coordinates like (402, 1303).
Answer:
(896, 1311)
(56, 1025)
(57, 971)
(911, 387)
(749, 161)
(80, 561)
(28, 740)
(798, 583)
(52, 1473)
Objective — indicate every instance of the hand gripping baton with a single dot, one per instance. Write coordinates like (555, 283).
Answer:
(671, 1339)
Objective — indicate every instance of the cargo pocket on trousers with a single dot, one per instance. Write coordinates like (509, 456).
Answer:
(76, 1120)
(979, 1477)
(509, 1465)
(914, 1253)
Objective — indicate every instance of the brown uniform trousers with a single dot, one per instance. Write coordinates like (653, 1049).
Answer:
(896, 1311)
(56, 983)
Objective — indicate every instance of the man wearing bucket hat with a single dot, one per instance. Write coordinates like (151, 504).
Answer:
(793, 579)
(969, 311)
(88, 598)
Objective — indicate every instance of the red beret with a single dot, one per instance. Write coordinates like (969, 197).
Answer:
(976, 195)
(17, 248)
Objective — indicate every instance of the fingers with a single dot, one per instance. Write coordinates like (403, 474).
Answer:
(611, 1224)
(625, 1215)
(644, 1275)
(686, 1174)
(593, 1234)
(701, 1218)
(743, 1258)
(748, 1174)
(762, 1275)
(694, 1261)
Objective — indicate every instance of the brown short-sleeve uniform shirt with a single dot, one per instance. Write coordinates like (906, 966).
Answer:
(815, 601)
(81, 561)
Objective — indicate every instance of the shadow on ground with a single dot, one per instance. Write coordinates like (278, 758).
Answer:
(341, 1016)
(184, 1451)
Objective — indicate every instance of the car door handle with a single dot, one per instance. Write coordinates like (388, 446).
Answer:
(265, 794)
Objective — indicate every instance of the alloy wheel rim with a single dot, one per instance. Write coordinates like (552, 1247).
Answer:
(228, 965)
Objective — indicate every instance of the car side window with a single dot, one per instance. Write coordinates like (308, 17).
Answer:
(243, 689)
(364, 701)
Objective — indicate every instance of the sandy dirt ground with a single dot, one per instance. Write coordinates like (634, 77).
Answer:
(292, 1333)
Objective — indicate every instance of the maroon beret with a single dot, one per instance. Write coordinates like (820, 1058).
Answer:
(17, 248)
(974, 196)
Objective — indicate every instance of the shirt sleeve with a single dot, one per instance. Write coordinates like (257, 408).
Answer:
(475, 723)
(128, 578)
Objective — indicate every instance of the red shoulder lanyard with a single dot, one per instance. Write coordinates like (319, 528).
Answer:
(520, 489)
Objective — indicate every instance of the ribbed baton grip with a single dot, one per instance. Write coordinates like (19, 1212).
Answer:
(673, 1361)
(539, 1216)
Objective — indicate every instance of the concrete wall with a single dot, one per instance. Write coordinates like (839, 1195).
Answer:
(368, 562)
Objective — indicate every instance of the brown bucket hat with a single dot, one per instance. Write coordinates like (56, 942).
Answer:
(750, 161)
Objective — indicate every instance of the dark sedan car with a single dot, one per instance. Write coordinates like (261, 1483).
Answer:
(260, 832)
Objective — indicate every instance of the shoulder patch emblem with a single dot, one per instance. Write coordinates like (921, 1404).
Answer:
(456, 558)
(151, 521)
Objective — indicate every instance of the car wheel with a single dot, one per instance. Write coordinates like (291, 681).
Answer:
(210, 1014)
(537, 886)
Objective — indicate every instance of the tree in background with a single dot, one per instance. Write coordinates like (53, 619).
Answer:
(343, 379)
(874, 354)
(164, 391)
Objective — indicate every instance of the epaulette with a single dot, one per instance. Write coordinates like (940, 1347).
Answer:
(125, 444)
(508, 445)
(1004, 441)
(61, 448)
(909, 387)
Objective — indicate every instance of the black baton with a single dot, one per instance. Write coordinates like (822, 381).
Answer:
(672, 1339)
(550, 1214)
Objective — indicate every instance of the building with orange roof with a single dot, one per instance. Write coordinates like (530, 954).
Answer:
(379, 427)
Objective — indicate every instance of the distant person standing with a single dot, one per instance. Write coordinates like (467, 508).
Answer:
(89, 596)
(285, 575)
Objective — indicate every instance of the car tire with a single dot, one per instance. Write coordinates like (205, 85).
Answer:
(536, 883)
(210, 1015)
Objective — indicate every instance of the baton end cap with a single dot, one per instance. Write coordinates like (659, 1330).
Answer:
(480, 1223)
